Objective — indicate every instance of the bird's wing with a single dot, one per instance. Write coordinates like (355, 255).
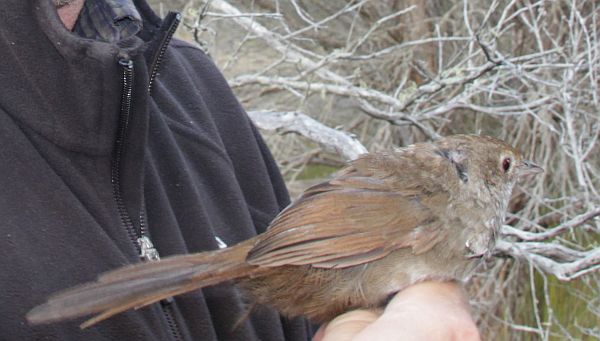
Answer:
(353, 219)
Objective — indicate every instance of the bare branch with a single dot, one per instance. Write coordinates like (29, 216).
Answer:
(341, 142)
(553, 232)
(585, 263)
(292, 52)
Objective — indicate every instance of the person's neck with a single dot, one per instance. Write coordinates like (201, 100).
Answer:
(69, 13)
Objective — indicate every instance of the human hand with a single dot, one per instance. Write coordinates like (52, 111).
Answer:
(424, 311)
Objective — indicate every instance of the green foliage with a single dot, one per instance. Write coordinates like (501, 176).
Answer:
(316, 171)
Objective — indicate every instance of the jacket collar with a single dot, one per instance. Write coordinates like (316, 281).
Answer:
(66, 88)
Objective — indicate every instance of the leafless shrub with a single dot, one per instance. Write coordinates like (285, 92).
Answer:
(395, 72)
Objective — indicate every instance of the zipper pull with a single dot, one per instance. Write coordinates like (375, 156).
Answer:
(147, 250)
(148, 253)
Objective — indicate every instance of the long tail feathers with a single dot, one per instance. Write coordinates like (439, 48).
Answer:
(139, 285)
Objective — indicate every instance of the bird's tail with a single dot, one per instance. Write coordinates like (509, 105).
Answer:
(138, 285)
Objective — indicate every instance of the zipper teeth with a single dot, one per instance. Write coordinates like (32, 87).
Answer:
(143, 231)
(175, 332)
(163, 49)
(125, 111)
(166, 305)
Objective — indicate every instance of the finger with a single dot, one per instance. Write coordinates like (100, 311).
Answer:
(425, 311)
(346, 326)
(448, 293)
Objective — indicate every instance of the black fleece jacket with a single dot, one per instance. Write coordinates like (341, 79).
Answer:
(91, 157)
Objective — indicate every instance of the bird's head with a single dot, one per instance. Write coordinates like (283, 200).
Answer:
(486, 165)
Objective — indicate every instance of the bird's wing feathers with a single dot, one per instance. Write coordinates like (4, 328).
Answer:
(352, 219)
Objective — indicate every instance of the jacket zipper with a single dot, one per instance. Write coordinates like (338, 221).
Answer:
(150, 251)
(125, 111)
(147, 250)
(140, 240)
(163, 49)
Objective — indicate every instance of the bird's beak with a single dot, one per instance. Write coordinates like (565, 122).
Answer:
(529, 168)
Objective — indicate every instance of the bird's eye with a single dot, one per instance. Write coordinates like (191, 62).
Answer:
(506, 164)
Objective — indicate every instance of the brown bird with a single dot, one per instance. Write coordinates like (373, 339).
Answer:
(429, 211)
